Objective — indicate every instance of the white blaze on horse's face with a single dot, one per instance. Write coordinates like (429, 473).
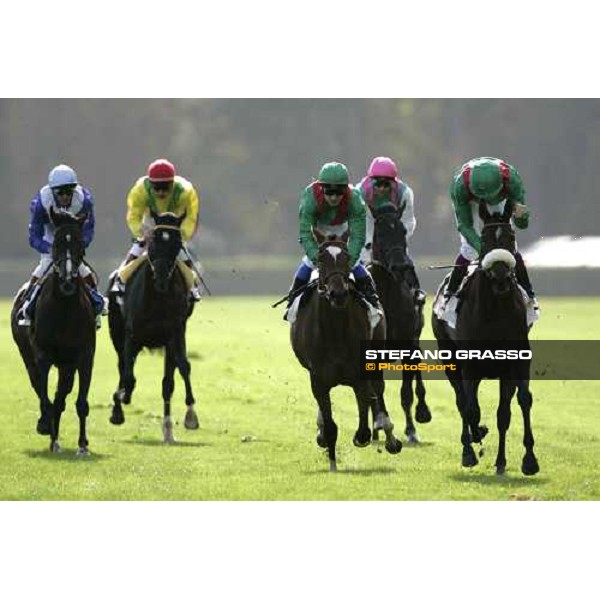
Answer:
(69, 267)
(165, 236)
(334, 251)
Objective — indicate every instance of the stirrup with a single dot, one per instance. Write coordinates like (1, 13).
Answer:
(195, 294)
(24, 321)
(98, 321)
(420, 296)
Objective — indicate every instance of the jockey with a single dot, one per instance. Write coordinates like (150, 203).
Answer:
(382, 185)
(494, 182)
(63, 193)
(162, 190)
(332, 206)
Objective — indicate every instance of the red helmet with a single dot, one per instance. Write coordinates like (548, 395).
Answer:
(161, 170)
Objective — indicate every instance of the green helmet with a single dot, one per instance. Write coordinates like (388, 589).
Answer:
(486, 179)
(334, 173)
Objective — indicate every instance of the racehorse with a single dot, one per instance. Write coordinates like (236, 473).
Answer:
(154, 313)
(326, 338)
(404, 318)
(492, 314)
(62, 332)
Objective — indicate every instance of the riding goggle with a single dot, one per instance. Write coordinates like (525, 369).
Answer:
(382, 183)
(334, 190)
(64, 190)
(162, 186)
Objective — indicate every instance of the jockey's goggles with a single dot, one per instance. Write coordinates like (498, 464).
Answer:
(64, 190)
(382, 183)
(334, 190)
(162, 186)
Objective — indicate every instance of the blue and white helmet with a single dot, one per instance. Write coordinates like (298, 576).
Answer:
(62, 175)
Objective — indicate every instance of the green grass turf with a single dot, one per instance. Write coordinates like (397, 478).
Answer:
(249, 386)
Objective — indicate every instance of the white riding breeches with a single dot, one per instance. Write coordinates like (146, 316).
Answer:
(46, 262)
(138, 248)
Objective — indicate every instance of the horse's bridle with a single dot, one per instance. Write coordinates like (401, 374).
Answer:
(324, 280)
(155, 232)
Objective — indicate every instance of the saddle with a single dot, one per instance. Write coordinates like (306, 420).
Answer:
(125, 272)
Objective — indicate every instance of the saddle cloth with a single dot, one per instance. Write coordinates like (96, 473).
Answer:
(446, 311)
(128, 270)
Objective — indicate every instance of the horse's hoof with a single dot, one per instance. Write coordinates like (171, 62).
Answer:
(483, 431)
(412, 439)
(191, 419)
(332, 466)
(117, 417)
(83, 451)
(393, 446)
(500, 470)
(55, 447)
(362, 441)
(375, 436)
(43, 426)
(422, 413)
(468, 458)
(530, 465)
(321, 442)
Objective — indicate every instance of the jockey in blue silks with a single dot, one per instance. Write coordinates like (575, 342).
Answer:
(62, 194)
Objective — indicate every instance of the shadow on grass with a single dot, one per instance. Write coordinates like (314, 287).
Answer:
(177, 444)
(66, 455)
(511, 480)
(408, 446)
(354, 471)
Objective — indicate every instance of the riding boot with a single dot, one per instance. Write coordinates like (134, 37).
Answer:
(297, 285)
(366, 286)
(26, 311)
(99, 302)
(524, 281)
(413, 283)
(523, 276)
(195, 294)
(456, 278)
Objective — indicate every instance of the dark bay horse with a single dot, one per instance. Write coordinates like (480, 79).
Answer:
(404, 318)
(62, 333)
(156, 307)
(492, 312)
(326, 338)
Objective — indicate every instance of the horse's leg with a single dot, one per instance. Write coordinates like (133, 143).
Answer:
(406, 400)
(422, 412)
(362, 436)
(168, 384)
(530, 464)
(321, 442)
(66, 376)
(378, 386)
(507, 390)
(183, 364)
(382, 421)
(330, 431)
(470, 426)
(126, 380)
(46, 420)
(82, 405)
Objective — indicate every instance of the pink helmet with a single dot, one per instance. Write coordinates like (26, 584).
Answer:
(382, 166)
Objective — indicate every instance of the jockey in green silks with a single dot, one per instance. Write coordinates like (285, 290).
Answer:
(493, 182)
(332, 206)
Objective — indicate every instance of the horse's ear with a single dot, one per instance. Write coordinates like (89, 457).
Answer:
(319, 237)
(80, 218)
(181, 219)
(52, 214)
(344, 237)
(153, 215)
